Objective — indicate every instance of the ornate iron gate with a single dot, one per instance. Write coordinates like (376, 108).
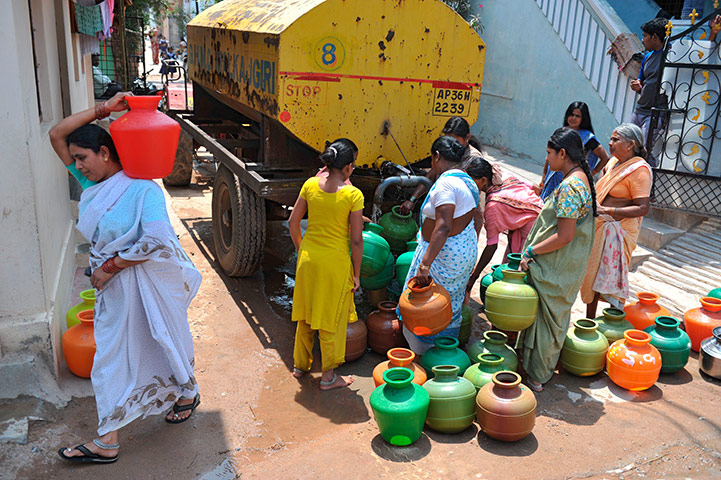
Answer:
(688, 145)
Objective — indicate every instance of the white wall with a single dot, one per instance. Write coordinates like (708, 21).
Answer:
(36, 245)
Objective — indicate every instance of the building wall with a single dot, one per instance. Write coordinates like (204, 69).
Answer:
(530, 79)
(37, 244)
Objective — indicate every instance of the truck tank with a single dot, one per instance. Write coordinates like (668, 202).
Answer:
(322, 69)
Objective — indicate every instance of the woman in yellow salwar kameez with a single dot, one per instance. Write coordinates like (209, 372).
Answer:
(327, 274)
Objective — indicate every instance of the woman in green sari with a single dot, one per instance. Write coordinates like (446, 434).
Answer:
(556, 254)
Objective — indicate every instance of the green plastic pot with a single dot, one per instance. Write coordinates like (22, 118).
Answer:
(487, 280)
(400, 407)
(495, 342)
(613, 323)
(511, 304)
(404, 261)
(376, 282)
(445, 352)
(398, 229)
(584, 349)
(375, 250)
(453, 400)
(715, 293)
(88, 303)
(482, 372)
(673, 343)
(466, 324)
(514, 263)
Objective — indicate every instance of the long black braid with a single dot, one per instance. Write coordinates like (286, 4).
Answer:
(569, 140)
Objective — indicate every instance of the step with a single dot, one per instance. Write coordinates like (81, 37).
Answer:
(640, 254)
(656, 235)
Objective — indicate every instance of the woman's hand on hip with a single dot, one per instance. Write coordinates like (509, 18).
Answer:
(99, 277)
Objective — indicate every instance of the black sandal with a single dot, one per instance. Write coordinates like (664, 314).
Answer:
(87, 455)
(183, 408)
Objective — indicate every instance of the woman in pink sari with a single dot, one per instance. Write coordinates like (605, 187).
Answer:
(623, 197)
(511, 206)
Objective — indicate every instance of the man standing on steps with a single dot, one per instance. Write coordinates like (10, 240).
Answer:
(647, 84)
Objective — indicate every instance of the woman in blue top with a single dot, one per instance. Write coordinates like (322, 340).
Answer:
(578, 118)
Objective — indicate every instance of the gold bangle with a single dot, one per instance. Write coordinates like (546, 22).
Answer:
(424, 267)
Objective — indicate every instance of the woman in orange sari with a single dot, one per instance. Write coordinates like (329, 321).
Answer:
(623, 197)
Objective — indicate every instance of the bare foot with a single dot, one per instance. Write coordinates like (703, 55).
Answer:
(180, 415)
(340, 382)
(297, 372)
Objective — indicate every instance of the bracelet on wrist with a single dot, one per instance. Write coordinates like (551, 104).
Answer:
(101, 111)
(424, 267)
(109, 266)
(528, 252)
(412, 199)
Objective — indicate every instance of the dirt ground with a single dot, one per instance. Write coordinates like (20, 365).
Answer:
(256, 421)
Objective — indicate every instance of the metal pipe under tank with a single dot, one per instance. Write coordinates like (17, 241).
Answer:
(401, 181)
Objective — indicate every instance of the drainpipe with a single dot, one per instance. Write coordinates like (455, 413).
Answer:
(401, 181)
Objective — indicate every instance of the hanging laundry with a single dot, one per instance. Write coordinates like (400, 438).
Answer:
(89, 19)
(106, 11)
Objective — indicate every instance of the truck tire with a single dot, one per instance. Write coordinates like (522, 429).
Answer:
(183, 166)
(238, 225)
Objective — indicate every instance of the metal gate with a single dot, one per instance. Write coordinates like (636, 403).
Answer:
(687, 147)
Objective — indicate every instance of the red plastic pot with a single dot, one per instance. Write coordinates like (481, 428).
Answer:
(145, 138)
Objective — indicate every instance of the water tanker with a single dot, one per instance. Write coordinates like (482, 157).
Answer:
(273, 80)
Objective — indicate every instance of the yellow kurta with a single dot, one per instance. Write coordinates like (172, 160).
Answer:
(323, 296)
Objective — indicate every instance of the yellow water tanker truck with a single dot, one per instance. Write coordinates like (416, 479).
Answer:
(273, 80)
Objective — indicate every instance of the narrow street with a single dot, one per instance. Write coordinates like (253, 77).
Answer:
(256, 421)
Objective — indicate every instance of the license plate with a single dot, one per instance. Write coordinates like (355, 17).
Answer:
(448, 102)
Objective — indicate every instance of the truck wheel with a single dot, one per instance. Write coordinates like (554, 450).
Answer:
(238, 225)
(183, 166)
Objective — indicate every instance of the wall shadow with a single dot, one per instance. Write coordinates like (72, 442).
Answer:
(522, 448)
(392, 453)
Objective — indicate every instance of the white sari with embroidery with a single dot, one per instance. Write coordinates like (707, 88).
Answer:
(144, 358)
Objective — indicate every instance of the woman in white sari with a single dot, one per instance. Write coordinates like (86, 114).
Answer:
(144, 361)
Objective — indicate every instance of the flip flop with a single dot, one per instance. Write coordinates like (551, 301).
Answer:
(297, 372)
(86, 457)
(183, 408)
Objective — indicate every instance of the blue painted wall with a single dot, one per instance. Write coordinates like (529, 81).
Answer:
(635, 13)
(530, 79)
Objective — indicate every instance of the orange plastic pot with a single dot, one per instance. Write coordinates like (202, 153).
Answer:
(400, 357)
(632, 362)
(79, 345)
(425, 310)
(701, 321)
(145, 138)
(643, 313)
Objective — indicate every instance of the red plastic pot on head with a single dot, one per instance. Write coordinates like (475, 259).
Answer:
(145, 138)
